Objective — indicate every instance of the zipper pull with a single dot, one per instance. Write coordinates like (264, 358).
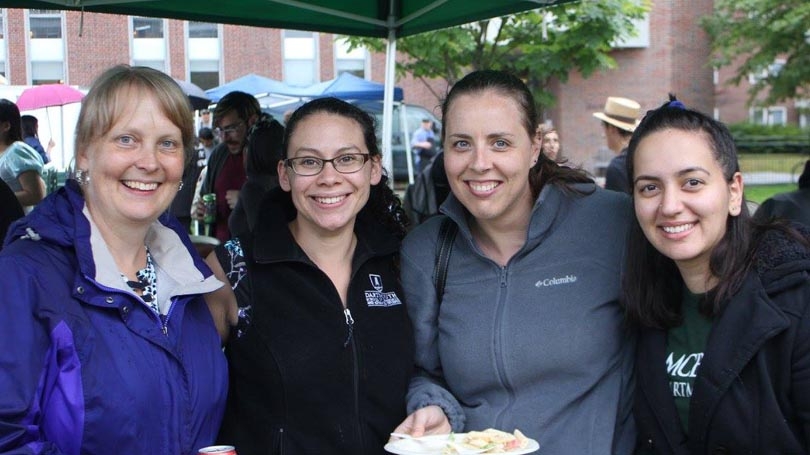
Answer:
(163, 324)
(350, 324)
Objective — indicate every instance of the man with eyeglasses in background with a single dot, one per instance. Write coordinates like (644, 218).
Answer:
(234, 114)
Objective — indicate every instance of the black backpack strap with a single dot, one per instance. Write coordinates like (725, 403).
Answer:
(447, 235)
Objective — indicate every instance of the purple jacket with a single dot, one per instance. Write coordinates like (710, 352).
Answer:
(85, 366)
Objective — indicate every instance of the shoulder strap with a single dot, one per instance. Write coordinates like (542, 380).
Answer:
(447, 235)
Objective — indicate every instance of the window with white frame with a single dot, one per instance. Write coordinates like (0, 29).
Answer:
(300, 58)
(204, 54)
(640, 37)
(773, 115)
(772, 70)
(347, 61)
(148, 42)
(46, 46)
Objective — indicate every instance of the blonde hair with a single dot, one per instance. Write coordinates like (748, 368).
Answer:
(103, 104)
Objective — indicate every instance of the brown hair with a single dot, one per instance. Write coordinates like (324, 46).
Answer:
(103, 104)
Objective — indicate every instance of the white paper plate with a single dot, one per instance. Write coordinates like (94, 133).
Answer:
(434, 444)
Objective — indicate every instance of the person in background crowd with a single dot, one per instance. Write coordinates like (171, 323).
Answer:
(108, 345)
(422, 143)
(619, 119)
(20, 165)
(793, 205)
(205, 120)
(527, 332)
(723, 362)
(30, 134)
(549, 142)
(261, 166)
(322, 350)
(225, 174)
(207, 143)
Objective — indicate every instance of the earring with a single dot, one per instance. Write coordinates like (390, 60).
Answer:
(82, 177)
(180, 188)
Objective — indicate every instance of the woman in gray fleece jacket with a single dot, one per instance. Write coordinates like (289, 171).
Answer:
(528, 332)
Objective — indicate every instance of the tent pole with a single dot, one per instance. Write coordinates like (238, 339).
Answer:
(406, 139)
(388, 98)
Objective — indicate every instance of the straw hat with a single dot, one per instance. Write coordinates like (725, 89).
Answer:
(622, 113)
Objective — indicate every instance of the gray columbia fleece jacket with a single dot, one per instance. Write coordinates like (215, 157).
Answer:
(538, 345)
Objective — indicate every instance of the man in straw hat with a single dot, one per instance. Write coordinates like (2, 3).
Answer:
(619, 119)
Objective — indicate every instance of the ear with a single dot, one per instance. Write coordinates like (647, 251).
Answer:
(735, 189)
(82, 158)
(536, 149)
(376, 170)
(284, 177)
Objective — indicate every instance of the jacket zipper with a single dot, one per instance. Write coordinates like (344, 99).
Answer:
(350, 325)
(499, 341)
(355, 377)
(164, 320)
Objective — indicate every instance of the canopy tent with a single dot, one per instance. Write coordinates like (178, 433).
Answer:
(251, 83)
(378, 18)
(347, 87)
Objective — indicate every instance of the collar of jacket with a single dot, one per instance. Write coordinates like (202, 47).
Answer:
(273, 241)
(59, 219)
(551, 203)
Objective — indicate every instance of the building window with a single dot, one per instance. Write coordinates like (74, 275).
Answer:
(46, 46)
(148, 42)
(772, 70)
(640, 37)
(346, 61)
(204, 54)
(774, 115)
(300, 58)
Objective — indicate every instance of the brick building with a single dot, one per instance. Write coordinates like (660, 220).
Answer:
(670, 55)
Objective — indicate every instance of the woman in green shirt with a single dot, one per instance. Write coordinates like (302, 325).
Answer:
(723, 363)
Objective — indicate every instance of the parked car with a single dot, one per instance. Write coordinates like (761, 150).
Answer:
(413, 115)
(413, 120)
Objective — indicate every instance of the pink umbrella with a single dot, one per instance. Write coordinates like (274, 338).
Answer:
(48, 95)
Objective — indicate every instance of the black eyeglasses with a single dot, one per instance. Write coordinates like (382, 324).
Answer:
(230, 129)
(348, 163)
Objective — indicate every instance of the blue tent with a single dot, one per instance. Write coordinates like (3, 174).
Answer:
(251, 83)
(346, 86)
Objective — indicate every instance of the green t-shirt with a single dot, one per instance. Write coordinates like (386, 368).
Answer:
(685, 345)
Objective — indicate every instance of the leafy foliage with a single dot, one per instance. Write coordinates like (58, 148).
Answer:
(759, 32)
(754, 138)
(540, 46)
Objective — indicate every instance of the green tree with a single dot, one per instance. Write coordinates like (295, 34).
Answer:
(757, 33)
(539, 46)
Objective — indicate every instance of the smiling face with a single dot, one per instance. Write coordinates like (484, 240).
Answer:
(329, 201)
(134, 168)
(682, 200)
(487, 156)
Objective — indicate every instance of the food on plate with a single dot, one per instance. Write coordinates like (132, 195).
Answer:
(494, 441)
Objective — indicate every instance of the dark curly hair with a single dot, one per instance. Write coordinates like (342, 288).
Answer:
(383, 204)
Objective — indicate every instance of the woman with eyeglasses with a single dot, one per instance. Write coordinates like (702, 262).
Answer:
(320, 345)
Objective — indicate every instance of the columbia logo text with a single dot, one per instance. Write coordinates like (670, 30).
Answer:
(556, 281)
